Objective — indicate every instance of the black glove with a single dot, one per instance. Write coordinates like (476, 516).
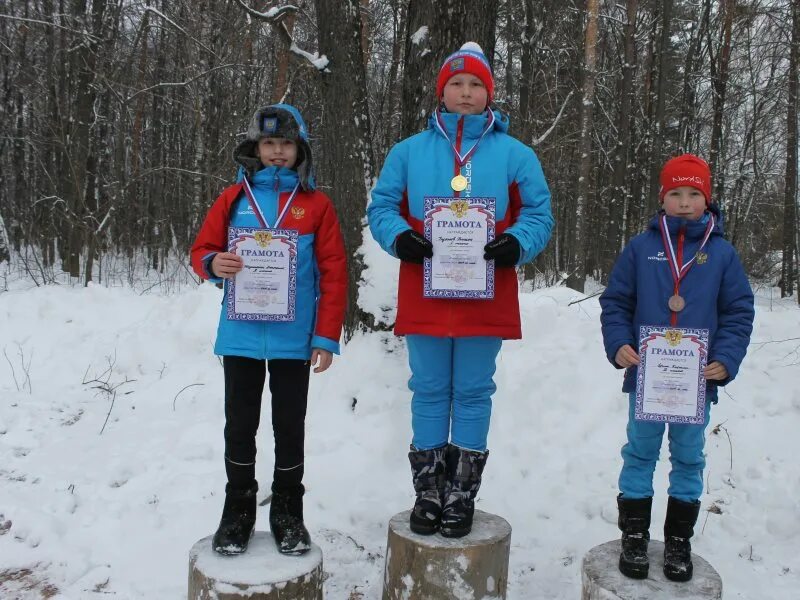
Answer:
(411, 247)
(505, 251)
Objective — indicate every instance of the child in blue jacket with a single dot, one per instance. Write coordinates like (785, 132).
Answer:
(453, 343)
(713, 294)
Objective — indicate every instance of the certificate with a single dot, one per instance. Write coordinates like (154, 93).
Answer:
(670, 386)
(266, 288)
(459, 228)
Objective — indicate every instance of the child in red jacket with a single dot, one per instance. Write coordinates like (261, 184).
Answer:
(275, 242)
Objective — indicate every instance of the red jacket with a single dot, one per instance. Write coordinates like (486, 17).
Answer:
(312, 214)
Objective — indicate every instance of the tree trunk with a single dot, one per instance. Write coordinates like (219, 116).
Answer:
(577, 277)
(282, 62)
(447, 24)
(5, 245)
(510, 41)
(788, 266)
(657, 151)
(526, 74)
(719, 76)
(391, 119)
(616, 209)
(345, 136)
(691, 70)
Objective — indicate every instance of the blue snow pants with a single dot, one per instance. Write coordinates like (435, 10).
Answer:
(451, 379)
(640, 454)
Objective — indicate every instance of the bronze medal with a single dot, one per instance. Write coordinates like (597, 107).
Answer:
(676, 303)
(458, 183)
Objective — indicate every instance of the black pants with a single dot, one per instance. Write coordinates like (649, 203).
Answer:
(244, 385)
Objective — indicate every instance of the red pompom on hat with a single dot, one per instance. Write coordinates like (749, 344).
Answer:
(469, 59)
(686, 169)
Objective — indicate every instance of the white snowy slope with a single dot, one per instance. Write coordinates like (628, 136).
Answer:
(91, 515)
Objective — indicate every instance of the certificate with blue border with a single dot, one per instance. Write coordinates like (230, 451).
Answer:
(266, 288)
(670, 385)
(459, 228)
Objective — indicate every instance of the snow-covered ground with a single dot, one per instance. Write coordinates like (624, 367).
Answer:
(94, 509)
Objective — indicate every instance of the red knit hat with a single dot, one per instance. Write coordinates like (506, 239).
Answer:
(469, 59)
(686, 169)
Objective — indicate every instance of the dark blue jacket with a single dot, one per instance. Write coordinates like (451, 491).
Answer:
(717, 293)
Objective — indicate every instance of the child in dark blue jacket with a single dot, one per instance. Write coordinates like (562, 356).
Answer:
(712, 294)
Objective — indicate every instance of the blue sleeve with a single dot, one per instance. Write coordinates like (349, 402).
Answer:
(535, 221)
(618, 304)
(383, 212)
(735, 309)
(324, 343)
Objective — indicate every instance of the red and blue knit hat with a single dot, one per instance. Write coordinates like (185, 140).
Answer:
(469, 59)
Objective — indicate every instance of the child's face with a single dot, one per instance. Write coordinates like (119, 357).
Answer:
(465, 94)
(686, 202)
(277, 152)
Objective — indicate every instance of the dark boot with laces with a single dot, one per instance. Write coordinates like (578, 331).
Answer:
(678, 529)
(238, 520)
(634, 522)
(427, 472)
(464, 472)
(286, 521)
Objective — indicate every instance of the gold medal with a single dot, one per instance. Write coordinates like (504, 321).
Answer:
(676, 303)
(458, 183)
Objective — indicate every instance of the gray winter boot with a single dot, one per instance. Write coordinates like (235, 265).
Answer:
(464, 471)
(427, 470)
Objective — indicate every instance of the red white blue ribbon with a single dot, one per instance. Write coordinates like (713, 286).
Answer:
(680, 271)
(462, 159)
(257, 209)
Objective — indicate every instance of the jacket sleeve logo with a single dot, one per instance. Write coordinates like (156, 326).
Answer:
(298, 212)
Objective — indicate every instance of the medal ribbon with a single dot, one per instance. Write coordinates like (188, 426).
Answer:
(677, 267)
(257, 209)
(462, 159)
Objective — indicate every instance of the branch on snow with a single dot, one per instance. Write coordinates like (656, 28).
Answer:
(274, 16)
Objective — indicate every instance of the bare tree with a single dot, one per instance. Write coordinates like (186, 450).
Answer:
(577, 278)
(719, 76)
(347, 159)
(788, 266)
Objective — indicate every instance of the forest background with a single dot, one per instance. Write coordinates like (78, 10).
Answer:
(119, 118)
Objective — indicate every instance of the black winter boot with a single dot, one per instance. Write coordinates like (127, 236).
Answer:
(678, 529)
(238, 520)
(427, 471)
(634, 522)
(286, 522)
(464, 470)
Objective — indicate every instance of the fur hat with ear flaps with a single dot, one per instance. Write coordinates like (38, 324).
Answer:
(278, 121)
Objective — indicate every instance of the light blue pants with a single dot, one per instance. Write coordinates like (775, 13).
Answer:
(451, 379)
(640, 454)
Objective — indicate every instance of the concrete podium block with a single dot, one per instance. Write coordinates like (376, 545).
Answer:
(422, 567)
(261, 573)
(603, 581)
